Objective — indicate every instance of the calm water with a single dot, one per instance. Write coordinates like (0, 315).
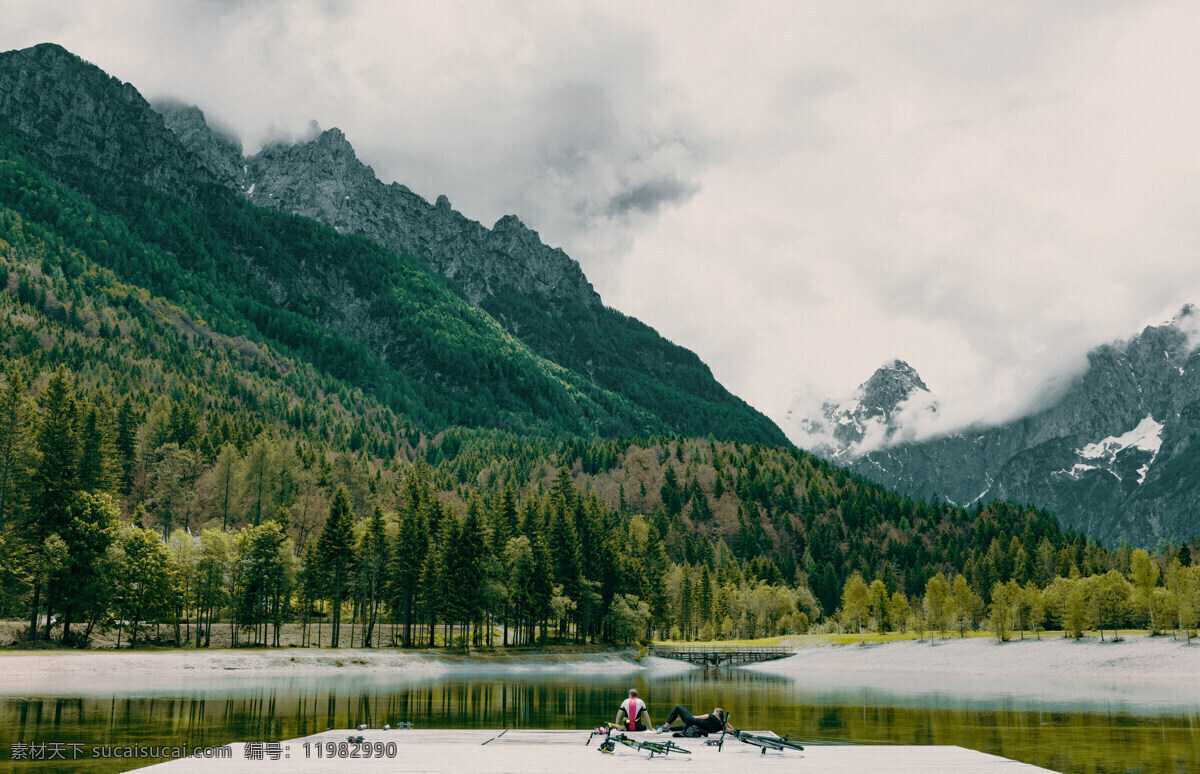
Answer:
(1094, 727)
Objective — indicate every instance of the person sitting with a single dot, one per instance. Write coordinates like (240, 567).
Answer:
(634, 715)
(712, 723)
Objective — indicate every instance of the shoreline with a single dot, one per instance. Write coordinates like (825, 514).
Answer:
(93, 663)
(1135, 657)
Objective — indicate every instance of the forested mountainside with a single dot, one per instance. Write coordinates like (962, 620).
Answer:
(1115, 456)
(214, 412)
(538, 293)
(278, 274)
(116, 391)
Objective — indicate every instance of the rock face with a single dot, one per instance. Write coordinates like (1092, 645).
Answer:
(1118, 456)
(538, 293)
(216, 152)
(870, 418)
(99, 123)
(323, 179)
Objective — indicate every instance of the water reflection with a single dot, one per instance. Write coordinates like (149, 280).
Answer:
(1105, 728)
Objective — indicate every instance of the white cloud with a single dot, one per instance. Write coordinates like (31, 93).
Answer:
(798, 192)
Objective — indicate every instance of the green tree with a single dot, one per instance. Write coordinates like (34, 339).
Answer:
(97, 450)
(1144, 574)
(1001, 612)
(856, 602)
(1110, 599)
(265, 580)
(225, 488)
(965, 603)
(14, 573)
(144, 582)
(672, 498)
(1076, 607)
(53, 482)
(212, 567)
(372, 563)
(335, 547)
(82, 585)
(13, 440)
(126, 443)
(627, 617)
(879, 604)
(408, 558)
(899, 610)
(937, 603)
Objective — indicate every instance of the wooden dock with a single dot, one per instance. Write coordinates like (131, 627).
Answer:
(719, 655)
(523, 751)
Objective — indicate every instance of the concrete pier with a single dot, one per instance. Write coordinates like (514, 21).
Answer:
(526, 751)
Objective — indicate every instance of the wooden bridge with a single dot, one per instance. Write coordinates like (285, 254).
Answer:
(718, 655)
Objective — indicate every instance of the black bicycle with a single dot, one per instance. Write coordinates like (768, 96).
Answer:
(761, 741)
(609, 745)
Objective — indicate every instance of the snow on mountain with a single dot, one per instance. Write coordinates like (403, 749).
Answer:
(872, 417)
(1117, 455)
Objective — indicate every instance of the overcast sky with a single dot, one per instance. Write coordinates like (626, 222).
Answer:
(797, 192)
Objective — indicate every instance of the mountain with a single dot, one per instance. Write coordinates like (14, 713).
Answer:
(871, 417)
(1117, 456)
(174, 221)
(177, 357)
(538, 293)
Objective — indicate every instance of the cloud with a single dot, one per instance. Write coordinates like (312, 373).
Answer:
(798, 193)
(648, 197)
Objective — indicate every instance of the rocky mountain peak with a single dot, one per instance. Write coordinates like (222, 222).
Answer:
(1115, 455)
(873, 416)
(79, 117)
(323, 178)
(890, 385)
(218, 151)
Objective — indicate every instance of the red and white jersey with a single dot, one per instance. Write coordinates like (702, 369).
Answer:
(633, 708)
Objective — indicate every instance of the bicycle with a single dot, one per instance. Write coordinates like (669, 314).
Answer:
(609, 745)
(760, 741)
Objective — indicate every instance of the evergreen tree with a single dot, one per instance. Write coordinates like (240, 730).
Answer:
(474, 563)
(671, 497)
(372, 562)
(13, 431)
(126, 444)
(54, 479)
(82, 583)
(97, 451)
(335, 546)
(408, 559)
(225, 491)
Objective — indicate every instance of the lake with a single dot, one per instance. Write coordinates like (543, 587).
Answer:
(1069, 726)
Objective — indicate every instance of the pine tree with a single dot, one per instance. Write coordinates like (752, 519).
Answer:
(13, 431)
(372, 562)
(97, 450)
(54, 478)
(671, 497)
(225, 491)
(335, 546)
(408, 559)
(475, 561)
(126, 444)
(82, 584)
